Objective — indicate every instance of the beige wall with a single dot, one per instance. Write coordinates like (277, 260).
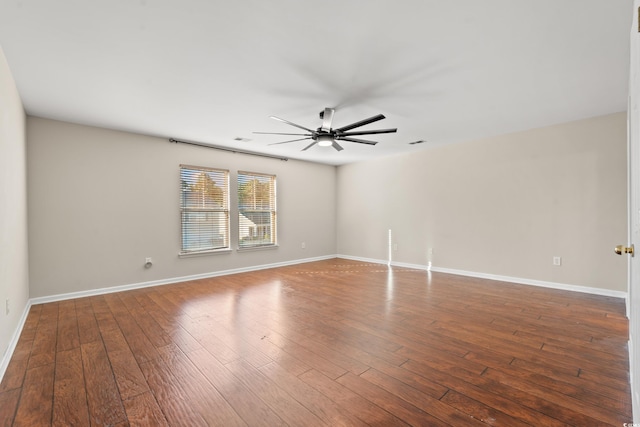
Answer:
(100, 201)
(501, 206)
(14, 278)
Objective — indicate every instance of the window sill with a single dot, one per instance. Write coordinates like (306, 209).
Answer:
(204, 253)
(257, 248)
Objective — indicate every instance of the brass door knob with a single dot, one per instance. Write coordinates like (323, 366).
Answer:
(620, 249)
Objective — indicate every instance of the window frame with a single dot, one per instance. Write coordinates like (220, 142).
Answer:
(272, 212)
(225, 210)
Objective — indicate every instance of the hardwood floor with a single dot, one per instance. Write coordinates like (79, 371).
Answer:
(328, 343)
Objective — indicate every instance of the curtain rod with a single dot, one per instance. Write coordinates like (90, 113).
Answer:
(232, 150)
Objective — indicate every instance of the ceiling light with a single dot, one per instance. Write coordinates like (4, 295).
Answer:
(325, 140)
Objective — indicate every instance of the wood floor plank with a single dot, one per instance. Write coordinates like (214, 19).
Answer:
(170, 396)
(202, 396)
(8, 405)
(480, 411)
(283, 404)
(201, 329)
(103, 314)
(44, 342)
(565, 381)
(141, 347)
(525, 396)
(327, 352)
(239, 345)
(16, 370)
(324, 408)
(129, 378)
(147, 323)
(445, 362)
(432, 406)
(405, 336)
(388, 401)
(31, 323)
(434, 386)
(105, 403)
(566, 341)
(87, 324)
(164, 300)
(492, 397)
(169, 325)
(602, 378)
(356, 346)
(70, 396)
(36, 400)
(246, 403)
(143, 410)
(590, 360)
(587, 391)
(68, 336)
(599, 413)
(571, 362)
(332, 342)
(597, 387)
(257, 334)
(355, 404)
(316, 361)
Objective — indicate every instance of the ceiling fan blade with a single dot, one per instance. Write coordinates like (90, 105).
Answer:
(309, 146)
(360, 123)
(360, 141)
(368, 132)
(280, 133)
(291, 123)
(327, 118)
(293, 140)
(337, 146)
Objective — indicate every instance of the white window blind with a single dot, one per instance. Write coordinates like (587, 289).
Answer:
(256, 210)
(204, 209)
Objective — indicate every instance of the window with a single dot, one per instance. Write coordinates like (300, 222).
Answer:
(256, 210)
(204, 209)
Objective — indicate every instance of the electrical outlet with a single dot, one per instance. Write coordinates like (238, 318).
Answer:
(395, 246)
(557, 260)
(303, 245)
(6, 307)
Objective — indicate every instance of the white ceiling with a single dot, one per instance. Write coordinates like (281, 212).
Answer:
(210, 71)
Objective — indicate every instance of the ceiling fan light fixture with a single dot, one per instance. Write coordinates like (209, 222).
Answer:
(325, 140)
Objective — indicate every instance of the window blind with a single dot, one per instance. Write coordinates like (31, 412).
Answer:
(204, 209)
(256, 210)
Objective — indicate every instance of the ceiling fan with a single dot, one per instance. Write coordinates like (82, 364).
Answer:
(326, 136)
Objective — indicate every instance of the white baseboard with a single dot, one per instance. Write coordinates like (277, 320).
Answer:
(14, 341)
(500, 278)
(103, 291)
(541, 283)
